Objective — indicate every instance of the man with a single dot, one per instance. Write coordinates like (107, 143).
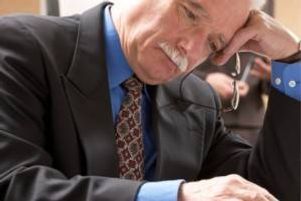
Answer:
(61, 91)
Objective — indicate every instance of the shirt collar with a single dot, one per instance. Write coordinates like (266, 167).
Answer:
(117, 65)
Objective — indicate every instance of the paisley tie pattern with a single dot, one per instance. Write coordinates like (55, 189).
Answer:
(128, 132)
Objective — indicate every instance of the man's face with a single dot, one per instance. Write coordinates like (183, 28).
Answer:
(164, 38)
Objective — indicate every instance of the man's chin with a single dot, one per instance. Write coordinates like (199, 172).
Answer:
(155, 80)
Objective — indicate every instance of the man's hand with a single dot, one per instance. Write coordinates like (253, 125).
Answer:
(261, 34)
(222, 84)
(232, 187)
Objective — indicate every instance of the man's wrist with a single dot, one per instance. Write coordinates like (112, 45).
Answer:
(292, 58)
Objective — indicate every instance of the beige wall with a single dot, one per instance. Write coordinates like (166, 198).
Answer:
(19, 6)
(289, 13)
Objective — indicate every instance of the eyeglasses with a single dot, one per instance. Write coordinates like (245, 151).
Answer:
(235, 98)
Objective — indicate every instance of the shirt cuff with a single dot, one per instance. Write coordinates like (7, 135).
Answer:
(163, 191)
(286, 78)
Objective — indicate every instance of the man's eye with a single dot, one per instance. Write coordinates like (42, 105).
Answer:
(213, 46)
(189, 14)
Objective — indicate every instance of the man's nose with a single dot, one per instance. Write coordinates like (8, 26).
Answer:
(194, 47)
(186, 45)
(192, 43)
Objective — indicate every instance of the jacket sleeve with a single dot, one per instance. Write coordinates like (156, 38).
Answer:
(274, 162)
(26, 166)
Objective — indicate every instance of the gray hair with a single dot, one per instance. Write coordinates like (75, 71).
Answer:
(258, 4)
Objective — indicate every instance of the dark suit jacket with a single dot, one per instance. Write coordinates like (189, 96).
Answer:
(56, 131)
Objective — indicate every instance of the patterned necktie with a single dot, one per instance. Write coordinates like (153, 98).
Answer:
(129, 132)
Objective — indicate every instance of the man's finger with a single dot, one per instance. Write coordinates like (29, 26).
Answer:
(250, 186)
(245, 194)
(238, 41)
(262, 191)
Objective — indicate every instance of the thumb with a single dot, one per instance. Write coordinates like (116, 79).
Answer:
(243, 88)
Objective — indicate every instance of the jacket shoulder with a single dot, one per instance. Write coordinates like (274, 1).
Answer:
(53, 38)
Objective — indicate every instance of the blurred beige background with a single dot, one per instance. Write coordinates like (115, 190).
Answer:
(289, 13)
(12, 6)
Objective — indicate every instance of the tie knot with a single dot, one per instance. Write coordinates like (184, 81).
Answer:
(133, 84)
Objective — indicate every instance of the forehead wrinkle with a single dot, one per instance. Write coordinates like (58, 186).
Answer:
(197, 6)
(222, 40)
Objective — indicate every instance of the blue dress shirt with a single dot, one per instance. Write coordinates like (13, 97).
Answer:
(285, 79)
(119, 71)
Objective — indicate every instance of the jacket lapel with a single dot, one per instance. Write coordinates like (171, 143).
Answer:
(87, 89)
(179, 131)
